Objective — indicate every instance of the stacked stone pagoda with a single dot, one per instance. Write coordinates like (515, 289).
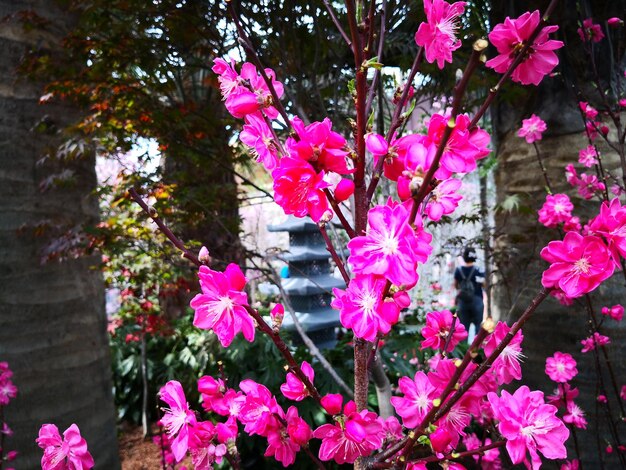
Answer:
(310, 282)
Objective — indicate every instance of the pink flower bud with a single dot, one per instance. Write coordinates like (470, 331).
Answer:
(203, 256)
(332, 403)
(440, 440)
(609, 449)
(622, 103)
(604, 129)
(404, 192)
(344, 190)
(11, 455)
(235, 277)
(277, 314)
(602, 398)
(615, 22)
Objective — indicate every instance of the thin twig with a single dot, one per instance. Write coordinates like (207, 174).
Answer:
(333, 17)
(152, 213)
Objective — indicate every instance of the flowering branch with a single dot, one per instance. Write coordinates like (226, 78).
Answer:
(396, 121)
(519, 58)
(247, 44)
(152, 213)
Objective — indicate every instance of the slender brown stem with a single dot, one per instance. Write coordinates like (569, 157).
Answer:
(381, 42)
(596, 326)
(396, 121)
(333, 253)
(543, 168)
(284, 350)
(315, 460)
(334, 19)
(164, 228)
(342, 218)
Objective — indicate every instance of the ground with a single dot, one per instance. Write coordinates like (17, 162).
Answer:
(137, 453)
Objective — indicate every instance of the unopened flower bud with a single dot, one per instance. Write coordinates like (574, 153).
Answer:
(440, 440)
(277, 314)
(344, 190)
(614, 22)
(332, 403)
(602, 399)
(203, 256)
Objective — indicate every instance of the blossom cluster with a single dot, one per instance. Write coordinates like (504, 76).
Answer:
(314, 170)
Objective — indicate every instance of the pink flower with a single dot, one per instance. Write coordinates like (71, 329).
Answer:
(588, 156)
(528, 424)
(490, 459)
(212, 393)
(260, 413)
(575, 415)
(7, 391)
(463, 148)
(204, 453)
(590, 343)
(298, 189)
(509, 37)
(394, 153)
(178, 419)
(622, 392)
(443, 199)
(589, 185)
(616, 312)
(532, 129)
(221, 306)
(438, 35)
(506, 367)
(297, 428)
(570, 465)
(246, 93)
(557, 208)
(561, 297)
(578, 264)
(391, 248)
(356, 435)
(258, 136)
(572, 225)
(571, 175)
(589, 111)
(320, 146)
(437, 330)
(561, 367)
(611, 224)
(417, 401)
(563, 394)
(68, 453)
(281, 447)
(294, 389)
(362, 309)
(590, 31)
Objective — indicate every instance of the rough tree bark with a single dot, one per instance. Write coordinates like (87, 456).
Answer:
(52, 318)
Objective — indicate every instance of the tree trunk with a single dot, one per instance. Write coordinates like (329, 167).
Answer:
(520, 238)
(52, 318)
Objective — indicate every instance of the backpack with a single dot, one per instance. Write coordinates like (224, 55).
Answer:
(466, 286)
